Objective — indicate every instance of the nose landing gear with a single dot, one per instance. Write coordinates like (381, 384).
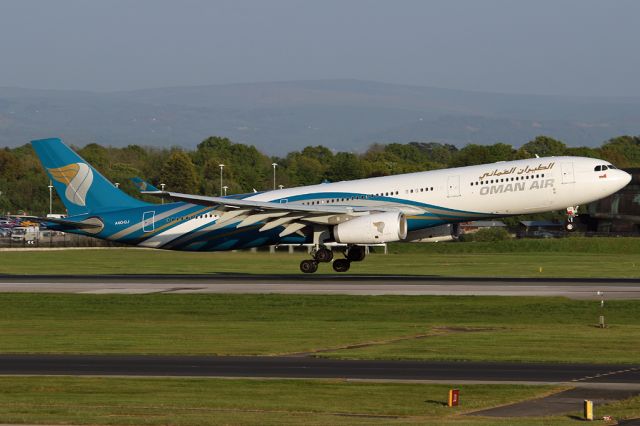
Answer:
(570, 224)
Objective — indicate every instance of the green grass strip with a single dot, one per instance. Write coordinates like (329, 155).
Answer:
(456, 328)
(571, 257)
(153, 401)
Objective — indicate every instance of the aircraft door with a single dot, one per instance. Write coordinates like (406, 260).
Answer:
(567, 173)
(148, 221)
(453, 186)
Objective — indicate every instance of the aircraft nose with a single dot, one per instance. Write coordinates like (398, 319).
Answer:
(623, 178)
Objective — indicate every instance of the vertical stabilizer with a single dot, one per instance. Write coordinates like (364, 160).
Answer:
(82, 188)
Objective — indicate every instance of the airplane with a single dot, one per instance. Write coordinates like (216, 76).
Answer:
(340, 217)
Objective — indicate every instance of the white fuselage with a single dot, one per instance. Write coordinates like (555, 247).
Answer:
(503, 188)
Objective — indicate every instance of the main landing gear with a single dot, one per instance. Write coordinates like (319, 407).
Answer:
(325, 255)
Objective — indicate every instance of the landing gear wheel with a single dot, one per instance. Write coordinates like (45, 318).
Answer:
(323, 255)
(341, 265)
(356, 253)
(572, 212)
(308, 266)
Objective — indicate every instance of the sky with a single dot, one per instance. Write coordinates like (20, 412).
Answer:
(578, 47)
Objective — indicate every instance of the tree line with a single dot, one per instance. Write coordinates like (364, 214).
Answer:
(23, 183)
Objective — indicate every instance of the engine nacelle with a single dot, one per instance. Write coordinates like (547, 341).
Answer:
(371, 229)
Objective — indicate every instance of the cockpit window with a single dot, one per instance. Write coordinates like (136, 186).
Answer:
(611, 167)
(598, 169)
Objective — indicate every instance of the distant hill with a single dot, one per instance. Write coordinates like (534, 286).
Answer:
(286, 116)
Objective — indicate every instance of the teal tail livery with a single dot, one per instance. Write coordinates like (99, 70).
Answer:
(143, 185)
(82, 188)
(337, 219)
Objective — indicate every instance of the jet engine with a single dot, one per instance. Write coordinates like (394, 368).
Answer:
(371, 229)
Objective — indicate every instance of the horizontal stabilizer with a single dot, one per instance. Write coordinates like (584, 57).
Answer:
(91, 223)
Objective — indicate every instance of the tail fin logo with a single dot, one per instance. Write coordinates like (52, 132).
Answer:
(77, 177)
(142, 185)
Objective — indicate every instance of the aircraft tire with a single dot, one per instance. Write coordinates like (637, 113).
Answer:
(341, 265)
(308, 266)
(570, 226)
(324, 255)
(356, 253)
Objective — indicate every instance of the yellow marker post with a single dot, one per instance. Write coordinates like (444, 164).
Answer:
(454, 397)
(588, 409)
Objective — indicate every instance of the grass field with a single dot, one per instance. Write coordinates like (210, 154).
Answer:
(397, 327)
(449, 328)
(191, 401)
(570, 257)
(214, 401)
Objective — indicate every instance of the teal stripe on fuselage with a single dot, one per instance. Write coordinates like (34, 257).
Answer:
(347, 195)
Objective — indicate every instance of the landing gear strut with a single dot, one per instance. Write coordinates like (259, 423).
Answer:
(570, 224)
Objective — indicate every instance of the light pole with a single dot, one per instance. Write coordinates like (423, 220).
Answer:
(221, 168)
(50, 197)
(162, 185)
(274, 174)
(225, 190)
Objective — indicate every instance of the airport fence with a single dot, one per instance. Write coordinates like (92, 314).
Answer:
(53, 239)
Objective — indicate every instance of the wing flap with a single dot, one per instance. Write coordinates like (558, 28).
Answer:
(278, 222)
(292, 228)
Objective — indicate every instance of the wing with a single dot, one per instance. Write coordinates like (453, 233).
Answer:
(292, 216)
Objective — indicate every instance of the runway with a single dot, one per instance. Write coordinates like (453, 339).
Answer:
(305, 367)
(611, 289)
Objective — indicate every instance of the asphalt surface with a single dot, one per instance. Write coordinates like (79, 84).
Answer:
(305, 367)
(323, 284)
(571, 400)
